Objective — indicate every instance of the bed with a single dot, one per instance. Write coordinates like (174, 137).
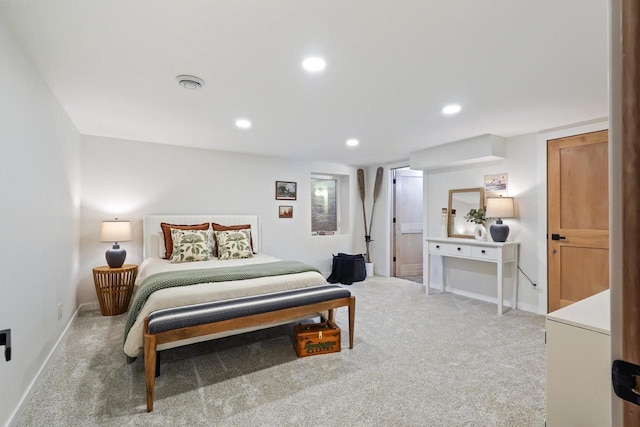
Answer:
(199, 289)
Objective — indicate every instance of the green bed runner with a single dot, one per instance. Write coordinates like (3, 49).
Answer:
(171, 279)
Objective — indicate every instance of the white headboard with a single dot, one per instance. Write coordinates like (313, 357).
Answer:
(151, 228)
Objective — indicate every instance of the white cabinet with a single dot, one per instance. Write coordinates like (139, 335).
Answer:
(579, 364)
(501, 254)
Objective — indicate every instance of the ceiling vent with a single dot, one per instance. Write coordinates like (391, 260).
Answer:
(190, 82)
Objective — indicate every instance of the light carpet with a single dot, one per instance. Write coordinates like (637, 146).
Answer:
(442, 360)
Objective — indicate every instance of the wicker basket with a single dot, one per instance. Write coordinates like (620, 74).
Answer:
(114, 287)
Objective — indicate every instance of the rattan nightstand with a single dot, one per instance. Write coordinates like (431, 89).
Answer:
(114, 287)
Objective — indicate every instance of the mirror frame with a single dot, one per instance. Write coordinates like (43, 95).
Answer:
(449, 215)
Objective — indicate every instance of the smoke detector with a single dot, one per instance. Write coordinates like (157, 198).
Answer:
(190, 82)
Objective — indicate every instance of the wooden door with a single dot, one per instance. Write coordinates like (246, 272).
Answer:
(578, 217)
(408, 223)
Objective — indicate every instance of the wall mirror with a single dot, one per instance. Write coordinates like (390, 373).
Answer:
(460, 203)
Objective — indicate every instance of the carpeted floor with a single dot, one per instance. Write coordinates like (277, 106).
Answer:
(445, 360)
(417, 279)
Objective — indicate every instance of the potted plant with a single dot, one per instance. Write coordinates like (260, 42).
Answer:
(478, 217)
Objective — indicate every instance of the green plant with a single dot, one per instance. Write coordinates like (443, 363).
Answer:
(476, 216)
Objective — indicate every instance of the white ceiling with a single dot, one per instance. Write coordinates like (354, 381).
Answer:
(515, 66)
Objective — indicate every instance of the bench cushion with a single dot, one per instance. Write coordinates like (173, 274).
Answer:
(216, 311)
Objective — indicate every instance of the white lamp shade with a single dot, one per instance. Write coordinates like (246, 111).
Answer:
(115, 231)
(500, 207)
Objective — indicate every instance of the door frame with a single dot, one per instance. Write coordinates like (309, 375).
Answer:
(624, 162)
(575, 238)
(392, 210)
(383, 226)
(543, 137)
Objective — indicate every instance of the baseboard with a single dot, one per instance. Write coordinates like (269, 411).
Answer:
(474, 295)
(492, 300)
(529, 307)
(89, 306)
(26, 397)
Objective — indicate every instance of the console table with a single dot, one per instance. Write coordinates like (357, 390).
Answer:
(478, 250)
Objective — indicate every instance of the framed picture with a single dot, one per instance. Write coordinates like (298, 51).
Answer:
(286, 190)
(495, 185)
(285, 212)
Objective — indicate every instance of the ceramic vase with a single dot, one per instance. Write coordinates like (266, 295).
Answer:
(479, 232)
(369, 267)
(443, 224)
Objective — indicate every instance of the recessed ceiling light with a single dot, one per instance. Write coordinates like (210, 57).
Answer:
(352, 142)
(451, 109)
(190, 82)
(243, 123)
(314, 64)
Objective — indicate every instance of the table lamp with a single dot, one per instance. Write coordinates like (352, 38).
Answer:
(116, 231)
(499, 207)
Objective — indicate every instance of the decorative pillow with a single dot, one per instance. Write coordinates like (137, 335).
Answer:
(190, 245)
(234, 244)
(166, 230)
(220, 227)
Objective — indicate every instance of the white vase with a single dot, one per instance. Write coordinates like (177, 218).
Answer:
(443, 223)
(369, 267)
(479, 232)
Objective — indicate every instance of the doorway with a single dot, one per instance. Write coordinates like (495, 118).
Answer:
(407, 224)
(577, 217)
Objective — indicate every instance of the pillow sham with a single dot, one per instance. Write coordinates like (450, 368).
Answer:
(166, 231)
(190, 245)
(233, 244)
(220, 227)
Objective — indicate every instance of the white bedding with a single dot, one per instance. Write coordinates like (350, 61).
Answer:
(194, 294)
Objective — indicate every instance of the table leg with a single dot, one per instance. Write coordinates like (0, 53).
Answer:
(500, 279)
(515, 280)
(427, 282)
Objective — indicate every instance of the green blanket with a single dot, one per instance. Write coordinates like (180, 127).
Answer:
(171, 279)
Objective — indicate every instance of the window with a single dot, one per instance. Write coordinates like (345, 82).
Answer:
(324, 205)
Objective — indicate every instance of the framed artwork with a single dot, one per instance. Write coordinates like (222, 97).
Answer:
(285, 212)
(286, 190)
(495, 185)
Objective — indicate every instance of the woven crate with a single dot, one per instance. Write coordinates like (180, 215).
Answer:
(316, 338)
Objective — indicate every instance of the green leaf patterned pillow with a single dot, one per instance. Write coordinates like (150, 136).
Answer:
(190, 245)
(234, 244)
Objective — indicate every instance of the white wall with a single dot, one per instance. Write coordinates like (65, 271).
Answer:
(128, 179)
(521, 166)
(379, 245)
(526, 166)
(40, 177)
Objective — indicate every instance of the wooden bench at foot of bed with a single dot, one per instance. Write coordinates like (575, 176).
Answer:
(174, 324)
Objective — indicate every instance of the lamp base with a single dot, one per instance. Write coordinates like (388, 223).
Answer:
(116, 256)
(499, 231)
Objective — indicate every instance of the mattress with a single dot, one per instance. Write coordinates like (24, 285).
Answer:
(204, 292)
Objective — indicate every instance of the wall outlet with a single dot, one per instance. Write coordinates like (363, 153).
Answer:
(5, 340)
(59, 310)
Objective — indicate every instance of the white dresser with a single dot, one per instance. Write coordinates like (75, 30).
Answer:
(501, 254)
(579, 364)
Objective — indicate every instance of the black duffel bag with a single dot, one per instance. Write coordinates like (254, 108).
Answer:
(347, 269)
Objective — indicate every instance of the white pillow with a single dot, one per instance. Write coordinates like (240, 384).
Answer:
(161, 250)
